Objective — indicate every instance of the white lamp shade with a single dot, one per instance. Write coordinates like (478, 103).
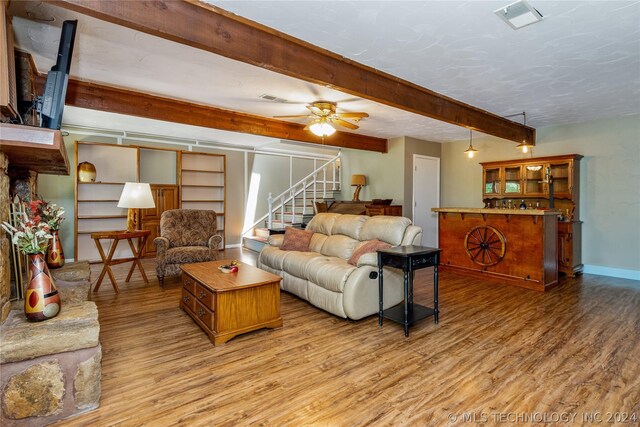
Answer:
(136, 195)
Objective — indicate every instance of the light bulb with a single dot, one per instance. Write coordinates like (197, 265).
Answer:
(470, 154)
(525, 149)
(322, 128)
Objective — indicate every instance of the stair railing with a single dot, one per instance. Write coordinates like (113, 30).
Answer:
(289, 196)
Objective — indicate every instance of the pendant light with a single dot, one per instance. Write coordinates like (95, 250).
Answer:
(525, 145)
(470, 152)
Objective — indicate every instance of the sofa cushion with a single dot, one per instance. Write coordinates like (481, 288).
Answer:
(296, 240)
(187, 254)
(296, 263)
(273, 257)
(349, 225)
(329, 272)
(322, 223)
(339, 246)
(372, 246)
(389, 229)
(316, 242)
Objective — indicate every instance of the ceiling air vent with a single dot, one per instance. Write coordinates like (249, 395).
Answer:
(271, 98)
(518, 14)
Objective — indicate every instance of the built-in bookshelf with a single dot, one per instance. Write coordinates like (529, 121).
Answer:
(203, 185)
(178, 179)
(96, 203)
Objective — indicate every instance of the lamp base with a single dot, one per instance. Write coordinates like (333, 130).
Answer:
(132, 219)
(356, 194)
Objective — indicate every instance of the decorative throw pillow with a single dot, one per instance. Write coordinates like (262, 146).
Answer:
(369, 247)
(296, 240)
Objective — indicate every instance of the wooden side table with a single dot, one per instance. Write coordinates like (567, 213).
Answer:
(409, 259)
(108, 260)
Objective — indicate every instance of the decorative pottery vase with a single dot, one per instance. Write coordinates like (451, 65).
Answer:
(55, 254)
(41, 301)
(86, 172)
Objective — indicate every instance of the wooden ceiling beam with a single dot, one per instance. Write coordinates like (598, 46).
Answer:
(212, 29)
(115, 100)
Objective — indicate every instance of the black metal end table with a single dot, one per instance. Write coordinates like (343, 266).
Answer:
(409, 259)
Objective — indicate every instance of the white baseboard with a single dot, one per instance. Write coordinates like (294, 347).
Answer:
(69, 259)
(612, 272)
(237, 245)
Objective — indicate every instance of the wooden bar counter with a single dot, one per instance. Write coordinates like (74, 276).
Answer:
(516, 246)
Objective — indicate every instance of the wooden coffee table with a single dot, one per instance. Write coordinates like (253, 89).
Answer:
(228, 304)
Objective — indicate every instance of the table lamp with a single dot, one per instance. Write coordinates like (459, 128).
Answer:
(135, 195)
(358, 181)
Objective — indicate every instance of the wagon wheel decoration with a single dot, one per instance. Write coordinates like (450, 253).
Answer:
(485, 245)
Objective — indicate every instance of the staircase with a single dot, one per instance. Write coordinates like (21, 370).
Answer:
(295, 205)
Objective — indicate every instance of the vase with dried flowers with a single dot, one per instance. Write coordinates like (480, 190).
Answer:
(52, 215)
(31, 235)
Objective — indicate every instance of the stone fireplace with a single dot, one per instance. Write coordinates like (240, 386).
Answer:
(51, 370)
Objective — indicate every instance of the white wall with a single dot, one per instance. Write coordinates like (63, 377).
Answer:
(609, 184)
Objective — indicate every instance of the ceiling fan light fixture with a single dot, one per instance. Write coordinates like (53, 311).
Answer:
(518, 14)
(322, 128)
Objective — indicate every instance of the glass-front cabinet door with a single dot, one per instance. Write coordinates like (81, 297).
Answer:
(512, 180)
(533, 177)
(491, 182)
(562, 182)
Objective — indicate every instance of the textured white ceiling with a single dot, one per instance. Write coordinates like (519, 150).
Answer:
(581, 63)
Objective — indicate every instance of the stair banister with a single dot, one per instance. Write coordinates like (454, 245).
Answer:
(280, 201)
(269, 212)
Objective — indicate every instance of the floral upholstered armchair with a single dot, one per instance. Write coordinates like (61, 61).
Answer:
(186, 236)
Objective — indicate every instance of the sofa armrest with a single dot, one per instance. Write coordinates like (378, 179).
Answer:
(370, 259)
(276, 240)
(161, 244)
(215, 241)
(412, 236)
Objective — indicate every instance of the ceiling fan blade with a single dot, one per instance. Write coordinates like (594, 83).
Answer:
(298, 116)
(343, 123)
(355, 116)
(316, 111)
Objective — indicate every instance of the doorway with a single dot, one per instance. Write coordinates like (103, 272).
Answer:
(426, 195)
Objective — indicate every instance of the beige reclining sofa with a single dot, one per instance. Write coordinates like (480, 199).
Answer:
(323, 277)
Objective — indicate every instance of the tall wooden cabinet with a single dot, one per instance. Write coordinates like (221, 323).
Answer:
(507, 183)
(166, 197)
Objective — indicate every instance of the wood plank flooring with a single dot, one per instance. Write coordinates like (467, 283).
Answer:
(498, 351)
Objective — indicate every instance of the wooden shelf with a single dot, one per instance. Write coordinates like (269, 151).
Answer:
(100, 216)
(33, 148)
(204, 171)
(201, 170)
(100, 182)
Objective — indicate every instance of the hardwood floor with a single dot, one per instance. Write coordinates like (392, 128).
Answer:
(499, 351)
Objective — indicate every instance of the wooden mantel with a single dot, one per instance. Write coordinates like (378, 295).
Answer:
(33, 148)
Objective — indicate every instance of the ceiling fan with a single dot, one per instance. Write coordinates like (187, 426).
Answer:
(324, 116)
